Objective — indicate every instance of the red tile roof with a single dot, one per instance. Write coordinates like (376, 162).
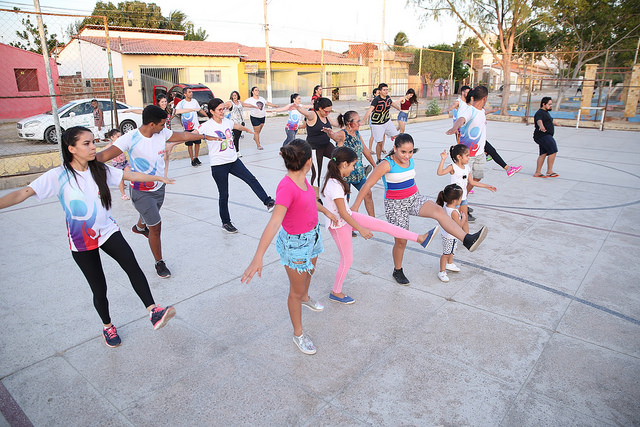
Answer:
(132, 46)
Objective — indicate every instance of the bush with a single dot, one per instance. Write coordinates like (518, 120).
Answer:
(433, 109)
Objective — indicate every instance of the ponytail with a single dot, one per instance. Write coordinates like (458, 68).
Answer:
(450, 193)
(457, 150)
(339, 156)
(296, 154)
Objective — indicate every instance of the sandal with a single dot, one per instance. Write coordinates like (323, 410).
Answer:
(125, 197)
(552, 175)
(260, 147)
(540, 176)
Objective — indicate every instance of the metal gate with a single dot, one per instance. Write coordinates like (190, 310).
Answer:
(151, 77)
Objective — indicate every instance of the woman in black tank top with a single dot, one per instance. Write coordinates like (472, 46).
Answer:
(318, 134)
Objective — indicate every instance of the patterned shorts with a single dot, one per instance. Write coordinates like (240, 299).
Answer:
(397, 211)
(448, 245)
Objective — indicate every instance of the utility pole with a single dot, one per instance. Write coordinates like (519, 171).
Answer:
(268, 57)
(384, 12)
(47, 69)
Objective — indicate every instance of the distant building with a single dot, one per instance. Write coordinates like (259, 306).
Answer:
(24, 89)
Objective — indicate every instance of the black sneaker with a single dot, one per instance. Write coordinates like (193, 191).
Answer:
(367, 170)
(471, 241)
(111, 337)
(197, 160)
(229, 228)
(471, 218)
(270, 204)
(144, 232)
(400, 277)
(194, 163)
(470, 209)
(162, 270)
(160, 316)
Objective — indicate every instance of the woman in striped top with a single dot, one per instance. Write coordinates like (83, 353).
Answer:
(402, 199)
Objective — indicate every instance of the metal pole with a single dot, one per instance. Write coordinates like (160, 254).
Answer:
(472, 70)
(322, 76)
(384, 7)
(47, 69)
(266, 47)
(604, 75)
(115, 123)
(452, 85)
(606, 105)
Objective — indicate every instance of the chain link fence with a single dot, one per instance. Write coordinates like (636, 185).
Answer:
(79, 73)
(601, 86)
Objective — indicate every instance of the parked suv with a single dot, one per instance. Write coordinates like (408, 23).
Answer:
(201, 93)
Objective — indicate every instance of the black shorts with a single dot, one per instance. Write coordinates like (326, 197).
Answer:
(190, 143)
(256, 121)
(547, 144)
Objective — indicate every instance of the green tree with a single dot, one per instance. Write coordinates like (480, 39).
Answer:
(486, 19)
(144, 15)
(400, 39)
(593, 32)
(29, 37)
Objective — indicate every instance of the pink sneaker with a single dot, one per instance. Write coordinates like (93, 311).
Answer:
(513, 170)
(471, 191)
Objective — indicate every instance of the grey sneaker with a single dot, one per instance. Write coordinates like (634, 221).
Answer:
(229, 228)
(313, 305)
(304, 344)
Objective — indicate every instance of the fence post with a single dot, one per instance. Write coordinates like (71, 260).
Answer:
(47, 68)
(632, 96)
(115, 123)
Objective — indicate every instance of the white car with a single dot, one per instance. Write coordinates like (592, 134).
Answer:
(76, 113)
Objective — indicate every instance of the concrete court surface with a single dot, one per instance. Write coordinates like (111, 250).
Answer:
(541, 326)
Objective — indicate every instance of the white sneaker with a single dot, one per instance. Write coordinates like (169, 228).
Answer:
(304, 344)
(452, 267)
(443, 276)
(239, 154)
(313, 305)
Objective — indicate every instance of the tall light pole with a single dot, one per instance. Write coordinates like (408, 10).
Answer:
(268, 57)
(384, 12)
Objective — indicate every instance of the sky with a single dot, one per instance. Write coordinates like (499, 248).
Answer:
(301, 23)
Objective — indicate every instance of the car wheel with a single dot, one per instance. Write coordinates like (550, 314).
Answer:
(127, 125)
(50, 135)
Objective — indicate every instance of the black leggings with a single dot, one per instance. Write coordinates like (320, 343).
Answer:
(488, 148)
(118, 249)
(236, 138)
(321, 152)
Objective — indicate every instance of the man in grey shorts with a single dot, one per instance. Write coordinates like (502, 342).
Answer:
(146, 148)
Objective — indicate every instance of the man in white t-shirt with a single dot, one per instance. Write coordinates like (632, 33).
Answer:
(146, 148)
(472, 123)
(190, 123)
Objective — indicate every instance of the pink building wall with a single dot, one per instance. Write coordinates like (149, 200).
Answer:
(26, 103)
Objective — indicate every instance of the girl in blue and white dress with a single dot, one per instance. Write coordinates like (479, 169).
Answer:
(450, 199)
(403, 199)
(81, 185)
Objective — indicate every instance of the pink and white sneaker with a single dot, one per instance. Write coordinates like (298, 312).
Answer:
(513, 170)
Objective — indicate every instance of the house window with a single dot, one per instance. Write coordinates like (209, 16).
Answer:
(212, 76)
(27, 79)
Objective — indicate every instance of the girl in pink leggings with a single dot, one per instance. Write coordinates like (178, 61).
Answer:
(334, 191)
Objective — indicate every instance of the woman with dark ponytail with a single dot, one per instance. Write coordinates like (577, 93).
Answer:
(299, 241)
(318, 134)
(82, 187)
(349, 136)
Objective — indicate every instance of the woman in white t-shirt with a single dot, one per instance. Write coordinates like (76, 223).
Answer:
(258, 113)
(218, 132)
(81, 185)
(294, 122)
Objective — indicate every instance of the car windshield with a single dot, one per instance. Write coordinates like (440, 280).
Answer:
(202, 96)
(63, 109)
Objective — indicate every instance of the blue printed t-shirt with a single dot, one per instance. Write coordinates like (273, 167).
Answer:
(146, 155)
(89, 224)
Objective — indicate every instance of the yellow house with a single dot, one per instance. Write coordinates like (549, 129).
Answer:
(147, 57)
